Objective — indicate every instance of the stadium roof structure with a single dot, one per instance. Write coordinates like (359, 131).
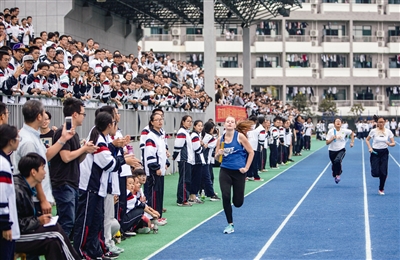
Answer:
(168, 13)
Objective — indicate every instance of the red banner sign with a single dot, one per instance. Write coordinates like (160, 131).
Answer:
(222, 112)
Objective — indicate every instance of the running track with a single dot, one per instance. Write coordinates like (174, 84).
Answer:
(303, 214)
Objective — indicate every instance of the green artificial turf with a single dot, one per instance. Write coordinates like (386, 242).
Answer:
(182, 219)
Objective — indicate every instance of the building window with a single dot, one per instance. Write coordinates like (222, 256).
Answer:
(394, 2)
(334, 93)
(362, 30)
(194, 31)
(363, 93)
(334, 60)
(230, 61)
(296, 28)
(158, 30)
(362, 61)
(195, 58)
(394, 30)
(394, 62)
(297, 60)
(266, 61)
(334, 30)
(267, 28)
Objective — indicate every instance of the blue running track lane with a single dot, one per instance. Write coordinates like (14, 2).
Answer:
(303, 214)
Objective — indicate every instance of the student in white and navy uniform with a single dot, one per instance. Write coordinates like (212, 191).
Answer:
(365, 127)
(209, 143)
(308, 126)
(155, 161)
(379, 151)
(288, 139)
(199, 161)
(266, 125)
(336, 139)
(8, 207)
(360, 130)
(94, 174)
(273, 143)
(256, 139)
(184, 155)
(281, 143)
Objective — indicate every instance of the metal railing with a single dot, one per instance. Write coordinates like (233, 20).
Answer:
(364, 38)
(327, 38)
(268, 38)
(235, 37)
(194, 37)
(132, 122)
(158, 37)
(298, 38)
(394, 38)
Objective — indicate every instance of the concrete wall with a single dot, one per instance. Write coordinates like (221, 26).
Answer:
(71, 18)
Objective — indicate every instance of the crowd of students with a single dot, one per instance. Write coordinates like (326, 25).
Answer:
(54, 65)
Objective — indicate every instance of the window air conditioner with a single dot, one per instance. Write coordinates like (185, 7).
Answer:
(381, 43)
(315, 75)
(176, 42)
(314, 33)
(382, 108)
(314, 99)
(380, 34)
(314, 10)
(176, 31)
(314, 43)
(314, 65)
(381, 75)
(380, 98)
(381, 11)
(381, 66)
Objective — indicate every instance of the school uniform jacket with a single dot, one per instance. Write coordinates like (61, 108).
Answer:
(183, 151)
(8, 207)
(155, 152)
(96, 168)
(211, 143)
(197, 149)
(133, 201)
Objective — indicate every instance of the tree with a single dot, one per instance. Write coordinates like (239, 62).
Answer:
(357, 109)
(300, 102)
(328, 106)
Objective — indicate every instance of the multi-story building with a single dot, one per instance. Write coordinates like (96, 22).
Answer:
(347, 50)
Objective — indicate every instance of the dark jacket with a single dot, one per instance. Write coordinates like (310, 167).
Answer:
(27, 216)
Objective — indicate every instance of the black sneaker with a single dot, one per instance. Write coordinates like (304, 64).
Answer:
(110, 255)
(215, 198)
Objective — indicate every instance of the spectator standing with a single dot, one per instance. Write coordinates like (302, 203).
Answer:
(64, 167)
(393, 126)
(299, 130)
(9, 227)
(33, 112)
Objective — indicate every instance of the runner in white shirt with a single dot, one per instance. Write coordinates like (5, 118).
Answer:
(336, 139)
(379, 151)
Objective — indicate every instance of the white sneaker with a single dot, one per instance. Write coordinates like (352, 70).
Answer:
(115, 249)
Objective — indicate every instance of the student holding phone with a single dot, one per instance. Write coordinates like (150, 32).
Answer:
(379, 151)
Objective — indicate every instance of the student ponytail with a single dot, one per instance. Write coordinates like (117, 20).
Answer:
(103, 119)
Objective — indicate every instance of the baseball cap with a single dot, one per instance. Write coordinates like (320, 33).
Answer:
(27, 58)
(19, 46)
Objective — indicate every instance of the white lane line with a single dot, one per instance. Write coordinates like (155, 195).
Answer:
(272, 238)
(391, 156)
(204, 221)
(368, 250)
